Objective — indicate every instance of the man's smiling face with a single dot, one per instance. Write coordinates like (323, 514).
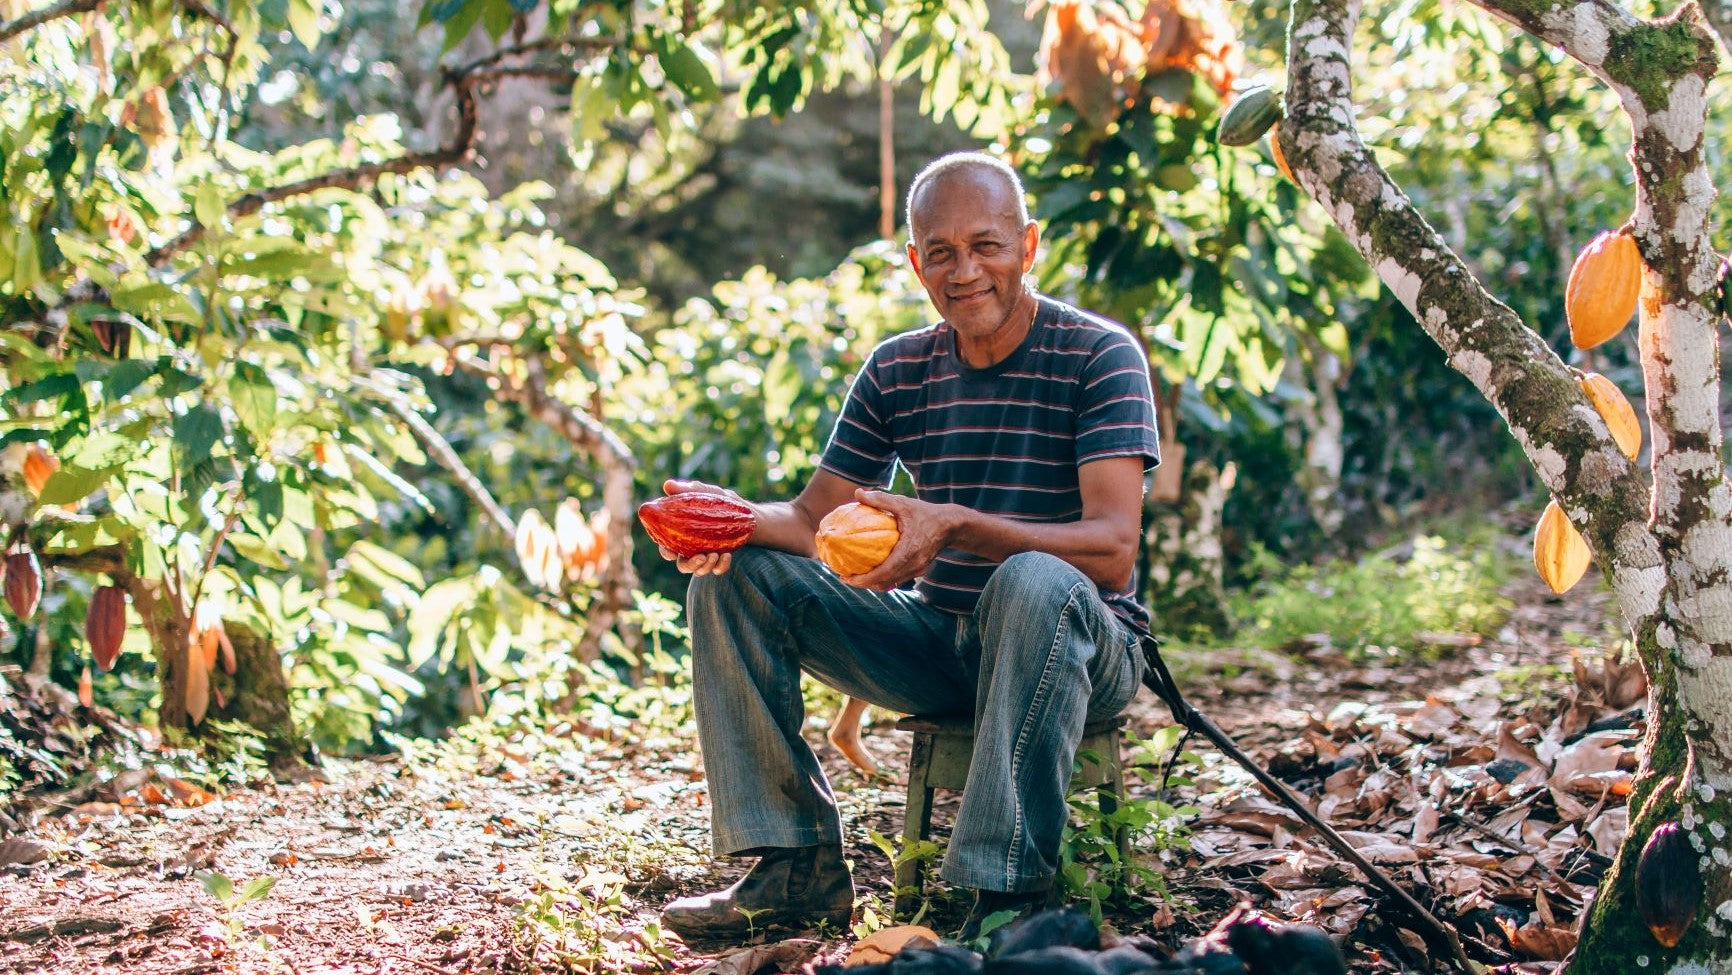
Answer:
(971, 252)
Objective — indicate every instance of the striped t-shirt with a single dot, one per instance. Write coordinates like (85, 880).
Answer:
(1005, 440)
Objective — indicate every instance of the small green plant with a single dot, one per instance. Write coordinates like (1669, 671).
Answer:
(1090, 865)
(588, 926)
(1378, 601)
(230, 901)
(922, 852)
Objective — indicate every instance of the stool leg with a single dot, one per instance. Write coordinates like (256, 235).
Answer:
(916, 825)
(1110, 795)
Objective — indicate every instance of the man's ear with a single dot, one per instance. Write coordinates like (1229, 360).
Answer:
(1030, 243)
(914, 258)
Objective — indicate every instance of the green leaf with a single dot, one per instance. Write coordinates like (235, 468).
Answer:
(387, 569)
(687, 69)
(257, 550)
(153, 299)
(57, 386)
(217, 885)
(125, 376)
(255, 399)
(303, 17)
(71, 483)
(208, 207)
(255, 889)
(195, 432)
(430, 617)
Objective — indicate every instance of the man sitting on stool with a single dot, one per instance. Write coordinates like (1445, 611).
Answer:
(1026, 426)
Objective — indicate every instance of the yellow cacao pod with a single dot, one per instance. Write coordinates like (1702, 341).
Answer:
(1560, 553)
(1280, 157)
(856, 538)
(883, 944)
(1604, 285)
(1616, 410)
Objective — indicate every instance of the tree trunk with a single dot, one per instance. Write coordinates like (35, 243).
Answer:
(1665, 545)
(1184, 552)
(256, 694)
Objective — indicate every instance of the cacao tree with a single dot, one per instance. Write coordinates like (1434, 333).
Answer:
(231, 351)
(1662, 536)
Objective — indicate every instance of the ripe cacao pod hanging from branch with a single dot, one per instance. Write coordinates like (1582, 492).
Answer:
(39, 465)
(1093, 54)
(23, 583)
(1195, 36)
(105, 625)
(113, 335)
(1605, 283)
(538, 552)
(1616, 410)
(1668, 884)
(1560, 553)
(197, 700)
(856, 538)
(696, 522)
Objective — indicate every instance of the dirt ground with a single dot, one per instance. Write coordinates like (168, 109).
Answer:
(554, 852)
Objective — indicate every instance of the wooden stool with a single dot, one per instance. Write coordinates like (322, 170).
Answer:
(943, 749)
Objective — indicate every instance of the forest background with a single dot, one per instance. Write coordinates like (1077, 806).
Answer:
(343, 338)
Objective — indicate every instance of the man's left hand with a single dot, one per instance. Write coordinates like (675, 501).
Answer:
(924, 529)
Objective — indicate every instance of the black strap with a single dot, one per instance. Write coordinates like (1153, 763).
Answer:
(1157, 678)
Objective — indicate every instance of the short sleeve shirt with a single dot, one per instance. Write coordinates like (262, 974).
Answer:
(1005, 440)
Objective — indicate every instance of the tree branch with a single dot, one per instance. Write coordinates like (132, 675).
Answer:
(464, 81)
(36, 18)
(1563, 437)
(440, 450)
(586, 432)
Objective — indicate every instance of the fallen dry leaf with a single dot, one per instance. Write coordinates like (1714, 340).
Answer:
(785, 956)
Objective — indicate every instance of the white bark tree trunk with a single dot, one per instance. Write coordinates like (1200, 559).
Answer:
(1666, 544)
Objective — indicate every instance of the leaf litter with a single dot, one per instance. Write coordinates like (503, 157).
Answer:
(1490, 780)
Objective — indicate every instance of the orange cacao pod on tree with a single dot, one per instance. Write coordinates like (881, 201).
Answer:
(1668, 884)
(23, 583)
(39, 466)
(1604, 285)
(105, 624)
(1616, 410)
(1560, 553)
(696, 522)
(856, 538)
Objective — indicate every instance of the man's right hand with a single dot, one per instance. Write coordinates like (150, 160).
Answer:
(704, 563)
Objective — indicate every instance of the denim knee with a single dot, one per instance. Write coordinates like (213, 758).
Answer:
(1033, 582)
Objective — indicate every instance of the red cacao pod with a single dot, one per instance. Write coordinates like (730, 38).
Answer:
(114, 335)
(23, 583)
(696, 522)
(105, 624)
(1668, 884)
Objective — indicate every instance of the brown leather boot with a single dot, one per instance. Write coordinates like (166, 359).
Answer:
(791, 887)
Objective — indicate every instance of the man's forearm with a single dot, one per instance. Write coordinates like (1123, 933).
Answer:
(784, 525)
(1100, 548)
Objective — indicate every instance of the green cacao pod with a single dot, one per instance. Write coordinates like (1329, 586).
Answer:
(1668, 884)
(1250, 115)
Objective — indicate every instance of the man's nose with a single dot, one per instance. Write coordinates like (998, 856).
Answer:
(967, 268)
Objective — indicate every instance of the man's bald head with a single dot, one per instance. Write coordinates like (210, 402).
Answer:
(968, 165)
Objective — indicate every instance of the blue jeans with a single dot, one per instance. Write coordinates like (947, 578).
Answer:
(1040, 656)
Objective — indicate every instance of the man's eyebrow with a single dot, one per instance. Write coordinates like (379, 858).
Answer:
(990, 233)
